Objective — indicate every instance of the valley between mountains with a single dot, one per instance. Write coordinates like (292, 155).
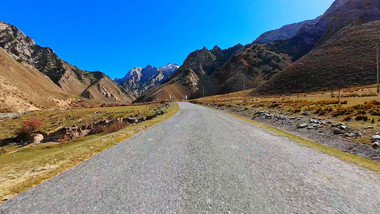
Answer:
(287, 123)
(319, 54)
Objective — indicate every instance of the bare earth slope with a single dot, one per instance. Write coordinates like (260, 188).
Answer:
(69, 78)
(342, 13)
(23, 88)
(250, 68)
(347, 59)
(204, 161)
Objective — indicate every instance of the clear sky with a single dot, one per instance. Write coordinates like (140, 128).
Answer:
(114, 36)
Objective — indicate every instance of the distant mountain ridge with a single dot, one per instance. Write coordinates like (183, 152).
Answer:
(283, 33)
(341, 14)
(269, 63)
(140, 80)
(333, 50)
(197, 68)
(72, 80)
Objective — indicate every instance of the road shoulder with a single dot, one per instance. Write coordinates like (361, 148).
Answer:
(361, 161)
(32, 166)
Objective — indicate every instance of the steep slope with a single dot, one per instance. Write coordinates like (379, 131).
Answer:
(341, 13)
(283, 33)
(347, 59)
(249, 69)
(204, 62)
(197, 67)
(23, 88)
(183, 84)
(140, 80)
(71, 79)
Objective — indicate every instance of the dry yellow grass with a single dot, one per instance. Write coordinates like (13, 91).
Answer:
(56, 119)
(239, 97)
(30, 166)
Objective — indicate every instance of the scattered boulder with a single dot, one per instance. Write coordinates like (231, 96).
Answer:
(340, 126)
(343, 127)
(280, 117)
(268, 116)
(350, 135)
(302, 125)
(375, 145)
(357, 135)
(375, 138)
(337, 125)
(315, 121)
(306, 113)
(37, 138)
(310, 127)
(131, 120)
(337, 131)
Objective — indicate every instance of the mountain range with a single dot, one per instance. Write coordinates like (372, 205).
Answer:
(139, 80)
(284, 33)
(69, 81)
(197, 68)
(336, 49)
(333, 50)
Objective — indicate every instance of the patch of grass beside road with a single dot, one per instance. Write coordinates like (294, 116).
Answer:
(32, 165)
(53, 120)
(359, 108)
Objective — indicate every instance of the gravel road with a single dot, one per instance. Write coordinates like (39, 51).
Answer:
(204, 161)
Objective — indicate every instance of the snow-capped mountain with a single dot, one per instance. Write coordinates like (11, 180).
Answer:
(140, 80)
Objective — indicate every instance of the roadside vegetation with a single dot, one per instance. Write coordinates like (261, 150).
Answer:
(364, 162)
(358, 107)
(343, 123)
(24, 166)
(53, 120)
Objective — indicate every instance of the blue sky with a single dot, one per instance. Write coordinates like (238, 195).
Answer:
(114, 36)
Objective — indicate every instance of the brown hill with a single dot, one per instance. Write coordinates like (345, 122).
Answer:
(341, 13)
(69, 78)
(23, 88)
(185, 83)
(249, 69)
(346, 59)
(105, 89)
(197, 67)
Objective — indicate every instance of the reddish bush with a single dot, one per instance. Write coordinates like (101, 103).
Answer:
(31, 125)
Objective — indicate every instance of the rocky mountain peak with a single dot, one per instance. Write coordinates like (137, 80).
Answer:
(204, 48)
(16, 43)
(69, 78)
(140, 80)
(216, 48)
(169, 69)
(148, 67)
